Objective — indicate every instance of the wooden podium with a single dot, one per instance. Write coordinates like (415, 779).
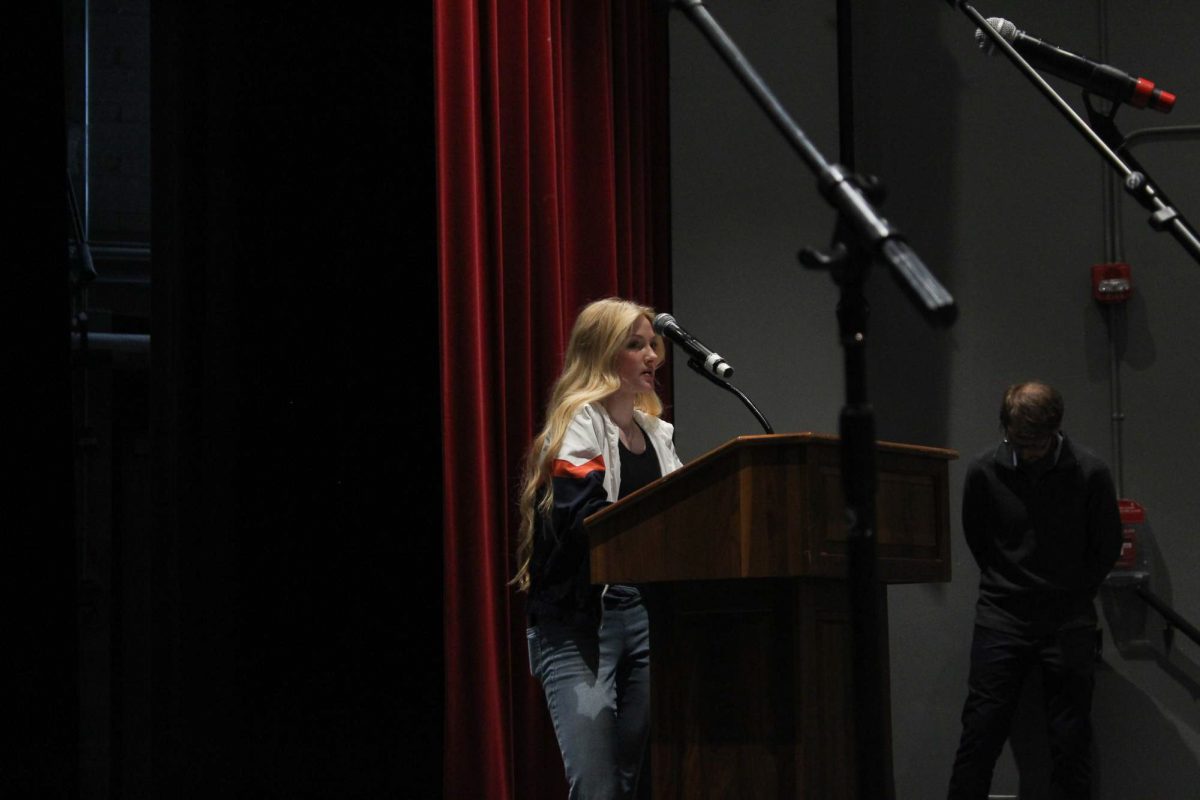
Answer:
(741, 557)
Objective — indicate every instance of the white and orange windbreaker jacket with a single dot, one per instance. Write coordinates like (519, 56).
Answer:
(587, 476)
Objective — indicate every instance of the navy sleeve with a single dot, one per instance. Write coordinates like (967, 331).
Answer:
(576, 497)
(577, 475)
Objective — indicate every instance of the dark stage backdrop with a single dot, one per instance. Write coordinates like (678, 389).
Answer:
(552, 191)
(295, 579)
(37, 508)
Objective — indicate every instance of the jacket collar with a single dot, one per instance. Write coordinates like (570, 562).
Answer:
(647, 422)
(1064, 456)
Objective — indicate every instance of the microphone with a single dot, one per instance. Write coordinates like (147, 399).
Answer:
(1099, 79)
(665, 325)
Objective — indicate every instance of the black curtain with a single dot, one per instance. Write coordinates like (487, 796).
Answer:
(36, 513)
(297, 550)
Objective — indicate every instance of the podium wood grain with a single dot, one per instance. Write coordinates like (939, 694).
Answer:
(741, 556)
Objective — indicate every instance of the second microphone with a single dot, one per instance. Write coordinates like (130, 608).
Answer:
(666, 326)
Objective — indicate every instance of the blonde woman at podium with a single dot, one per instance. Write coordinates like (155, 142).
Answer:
(589, 646)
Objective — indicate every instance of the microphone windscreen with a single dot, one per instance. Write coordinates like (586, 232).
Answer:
(662, 322)
(1001, 26)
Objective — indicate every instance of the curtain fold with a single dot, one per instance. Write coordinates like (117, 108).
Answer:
(552, 191)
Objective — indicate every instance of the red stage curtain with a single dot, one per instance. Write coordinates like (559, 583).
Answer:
(552, 191)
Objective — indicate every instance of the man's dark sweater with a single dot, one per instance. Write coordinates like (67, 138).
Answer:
(1044, 536)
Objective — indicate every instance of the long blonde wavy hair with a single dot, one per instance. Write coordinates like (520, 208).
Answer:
(588, 374)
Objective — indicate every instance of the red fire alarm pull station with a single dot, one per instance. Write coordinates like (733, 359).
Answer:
(1133, 517)
(1112, 283)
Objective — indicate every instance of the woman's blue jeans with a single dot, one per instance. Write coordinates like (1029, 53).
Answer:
(597, 686)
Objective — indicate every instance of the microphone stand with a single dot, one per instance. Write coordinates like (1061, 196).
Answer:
(1163, 216)
(860, 236)
(1102, 123)
(699, 369)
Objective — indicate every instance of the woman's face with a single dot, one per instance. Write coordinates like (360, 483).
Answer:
(637, 360)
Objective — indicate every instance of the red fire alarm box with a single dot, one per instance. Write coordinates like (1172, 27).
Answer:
(1133, 517)
(1112, 283)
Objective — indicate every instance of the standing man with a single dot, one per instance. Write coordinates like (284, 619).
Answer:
(1040, 516)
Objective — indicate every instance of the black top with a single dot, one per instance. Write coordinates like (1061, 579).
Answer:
(1044, 536)
(637, 470)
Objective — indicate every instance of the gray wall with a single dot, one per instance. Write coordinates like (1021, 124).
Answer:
(1004, 201)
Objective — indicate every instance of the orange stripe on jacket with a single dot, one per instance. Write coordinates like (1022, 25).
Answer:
(565, 469)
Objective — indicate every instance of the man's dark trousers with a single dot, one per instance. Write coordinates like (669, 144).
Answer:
(1000, 662)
